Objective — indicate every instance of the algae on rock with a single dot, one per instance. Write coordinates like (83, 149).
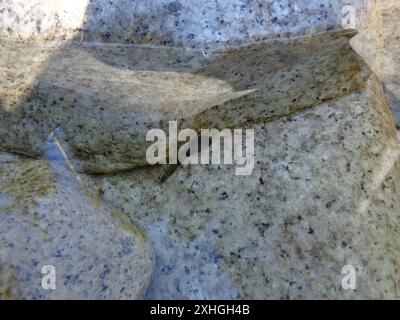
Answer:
(97, 253)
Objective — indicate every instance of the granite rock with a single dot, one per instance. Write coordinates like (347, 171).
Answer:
(323, 195)
(102, 99)
(189, 23)
(378, 43)
(49, 218)
(84, 82)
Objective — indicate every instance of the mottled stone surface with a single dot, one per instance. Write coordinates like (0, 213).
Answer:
(188, 23)
(97, 75)
(378, 43)
(103, 99)
(47, 218)
(324, 194)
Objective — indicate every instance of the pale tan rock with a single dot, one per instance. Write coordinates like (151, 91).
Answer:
(324, 194)
(378, 43)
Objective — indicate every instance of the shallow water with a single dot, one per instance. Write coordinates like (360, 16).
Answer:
(77, 191)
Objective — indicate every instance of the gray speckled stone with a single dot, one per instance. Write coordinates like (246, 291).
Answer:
(188, 23)
(48, 219)
(324, 194)
(99, 74)
(378, 43)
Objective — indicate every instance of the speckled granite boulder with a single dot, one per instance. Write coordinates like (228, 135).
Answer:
(378, 42)
(47, 219)
(75, 68)
(103, 99)
(324, 194)
(98, 75)
(189, 23)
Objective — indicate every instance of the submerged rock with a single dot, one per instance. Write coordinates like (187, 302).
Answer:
(47, 219)
(378, 43)
(83, 84)
(103, 99)
(324, 195)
